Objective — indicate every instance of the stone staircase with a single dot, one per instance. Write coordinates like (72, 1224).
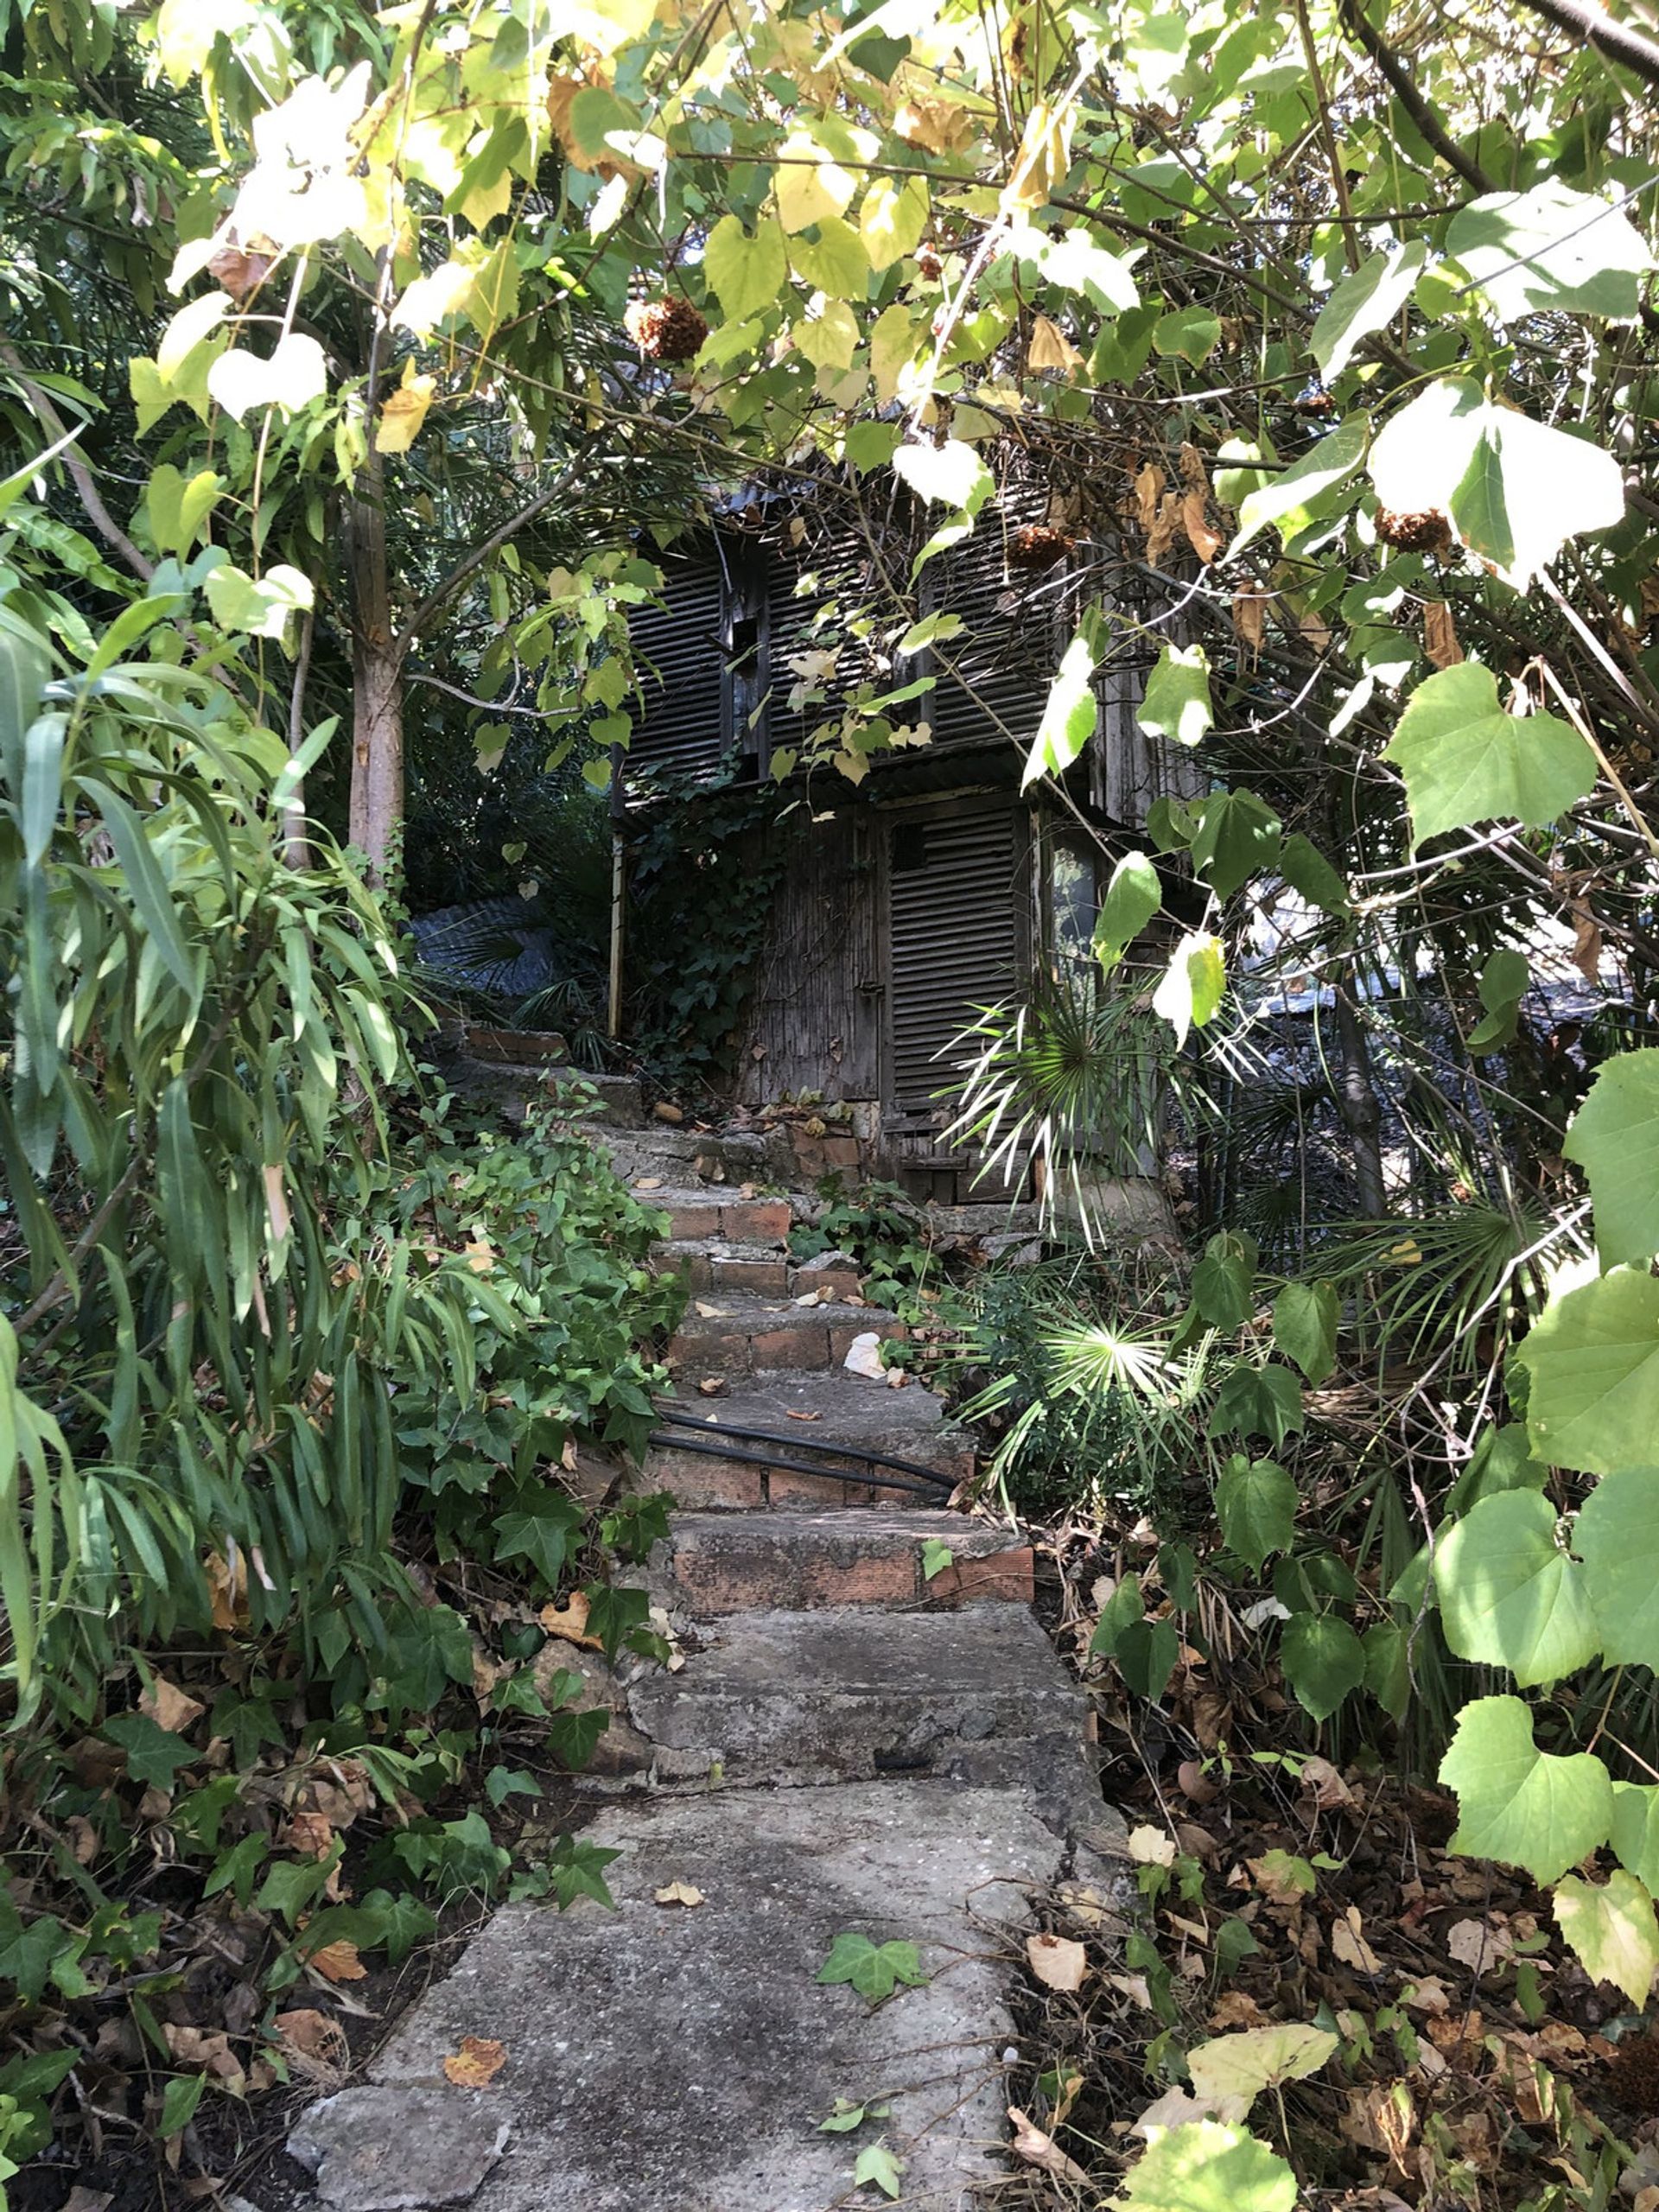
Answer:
(852, 1743)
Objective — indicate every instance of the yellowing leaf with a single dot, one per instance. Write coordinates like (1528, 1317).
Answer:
(1049, 348)
(679, 1893)
(1244, 2065)
(1042, 2150)
(1611, 1928)
(404, 412)
(431, 299)
(476, 2064)
(810, 186)
(893, 218)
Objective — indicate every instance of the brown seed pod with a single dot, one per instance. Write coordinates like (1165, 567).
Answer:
(1633, 2074)
(1425, 532)
(929, 260)
(1035, 545)
(668, 329)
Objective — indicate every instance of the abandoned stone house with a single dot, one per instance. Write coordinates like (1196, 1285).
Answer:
(934, 886)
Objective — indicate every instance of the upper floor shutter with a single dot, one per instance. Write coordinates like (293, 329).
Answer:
(1003, 661)
(680, 652)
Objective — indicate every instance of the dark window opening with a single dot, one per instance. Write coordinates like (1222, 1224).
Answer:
(909, 847)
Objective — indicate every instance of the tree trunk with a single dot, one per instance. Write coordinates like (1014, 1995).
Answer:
(1356, 1102)
(377, 801)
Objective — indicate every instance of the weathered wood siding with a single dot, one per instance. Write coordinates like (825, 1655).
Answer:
(816, 1018)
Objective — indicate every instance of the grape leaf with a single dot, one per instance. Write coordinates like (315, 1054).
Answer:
(1611, 1926)
(1615, 1139)
(1592, 1356)
(1528, 1808)
(1206, 2167)
(1465, 761)
(1617, 1538)
(1510, 1595)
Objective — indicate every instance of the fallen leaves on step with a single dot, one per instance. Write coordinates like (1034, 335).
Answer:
(1057, 1961)
(1150, 1847)
(679, 1893)
(864, 1356)
(667, 1111)
(649, 1183)
(570, 1622)
(339, 1962)
(313, 2044)
(897, 1379)
(713, 1386)
(1042, 2150)
(476, 2064)
(711, 1312)
(794, 1412)
(1348, 1942)
(169, 1706)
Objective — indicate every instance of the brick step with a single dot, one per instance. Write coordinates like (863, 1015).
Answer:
(819, 1409)
(759, 1268)
(709, 1213)
(718, 1563)
(805, 1697)
(743, 1334)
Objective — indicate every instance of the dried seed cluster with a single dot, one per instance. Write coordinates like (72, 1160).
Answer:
(1426, 532)
(1035, 545)
(668, 329)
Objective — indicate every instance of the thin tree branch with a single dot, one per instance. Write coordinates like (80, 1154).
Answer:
(448, 586)
(1584, 19)
(1429, 126)
(79, 475)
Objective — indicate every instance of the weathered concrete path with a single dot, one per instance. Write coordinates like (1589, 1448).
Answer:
(852, 1746)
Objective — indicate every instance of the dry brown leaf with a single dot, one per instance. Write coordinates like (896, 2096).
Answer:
(679, 1893)
(711, 1312)
(310, 1834)
(1330, 1790)
(1205, 541)
(569, 1621)
(712, 1386)
(228, 1587)
(81, 2199)
(312, 2043)
(1348, 1943)
(649, 1183)
(665, 1111)
(934, 125)
(1428, 1993)
(1057, 1961)
(1160, 538)
(169, 1706)
(1195, 1784)
(795, 1413)
(1042, 2150)
(1587, 941)
(476, 2064)
(1440, 634)
(1236, 2008)
(1132, 1985)
(1148, 489)
(1049, 348)
(339, 1962)
(1477, 1945)
(1250, 619)
(83, 1839)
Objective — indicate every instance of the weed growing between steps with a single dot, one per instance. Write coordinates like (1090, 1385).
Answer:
(219, 1859)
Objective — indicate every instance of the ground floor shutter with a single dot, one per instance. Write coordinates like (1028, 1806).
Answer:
(953, 890)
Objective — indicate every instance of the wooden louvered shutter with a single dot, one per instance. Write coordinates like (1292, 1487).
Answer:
(680, 653)
(953, 903)
(1004, 659)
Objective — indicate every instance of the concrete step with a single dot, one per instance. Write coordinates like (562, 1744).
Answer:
(976, 1695)
(727, 1158)
(742, 1334)
(511, 1089)
(665, 2060)
(817, 1408)
(720, 1563)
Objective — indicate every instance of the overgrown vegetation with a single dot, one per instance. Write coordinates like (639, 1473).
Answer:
(1329, 341)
